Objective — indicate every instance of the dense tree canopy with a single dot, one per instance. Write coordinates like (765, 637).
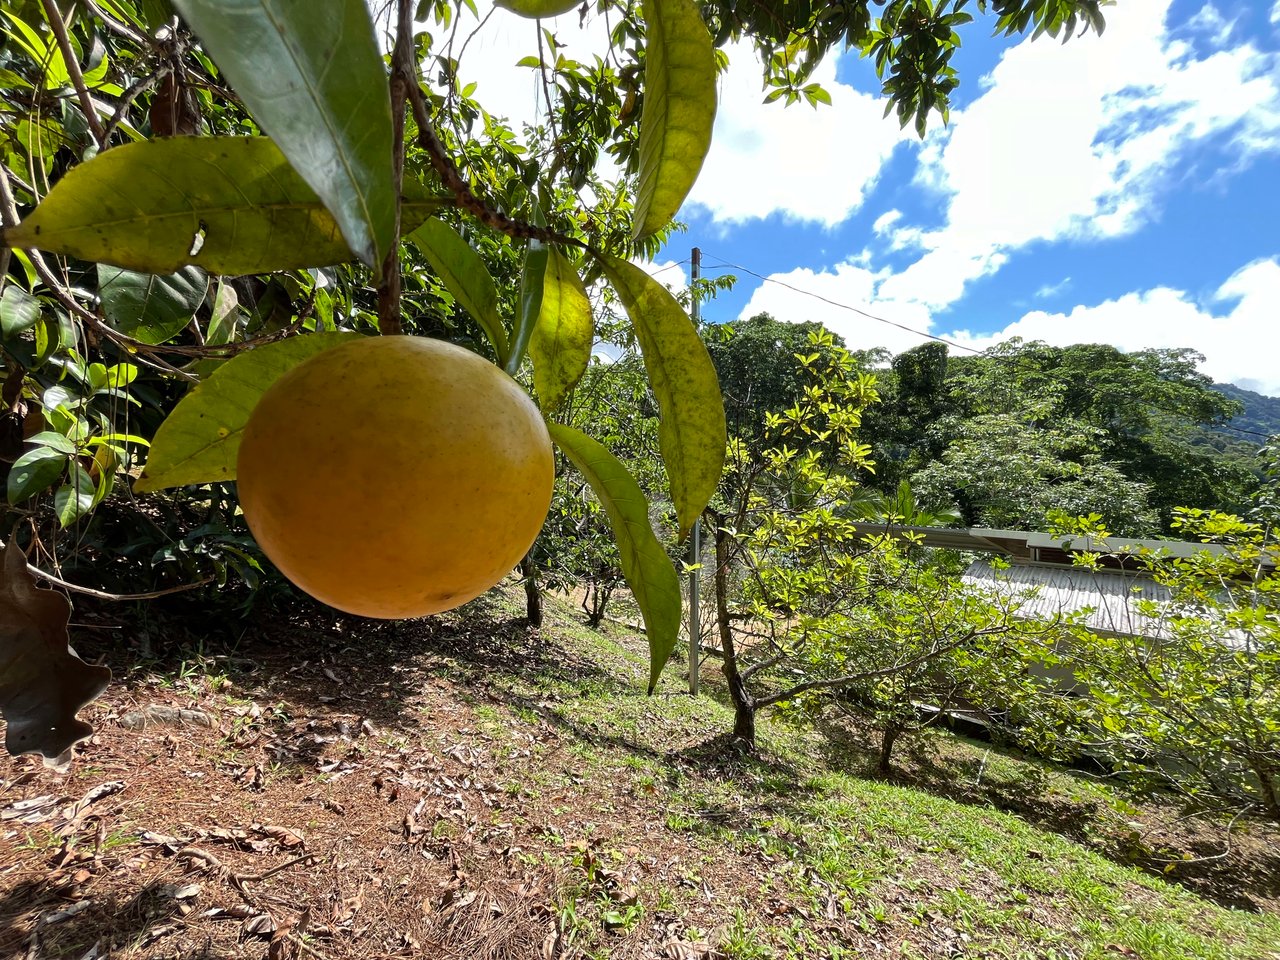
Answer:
(1120, 433)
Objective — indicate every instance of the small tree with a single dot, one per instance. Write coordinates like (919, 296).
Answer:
(1195, 708)
(821, 609)
(919, 644)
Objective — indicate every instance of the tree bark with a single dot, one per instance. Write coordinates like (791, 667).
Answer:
(1270, 795)
(532, 595)
(887, 740)
(744, 707)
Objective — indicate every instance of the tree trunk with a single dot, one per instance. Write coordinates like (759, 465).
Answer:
(532, 595)
(1270, 793)
(744, 706)
(889, 738)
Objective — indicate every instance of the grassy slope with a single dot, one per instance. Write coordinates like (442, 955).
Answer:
(890, 858)
(532, 775)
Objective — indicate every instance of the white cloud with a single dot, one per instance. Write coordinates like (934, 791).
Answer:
(1210, 22)
(672, 274)
(1275, 13)
(1234, 327)
(807, 164)
(1053, 289)
(886, 220)
(489, 60)
(1079, 140)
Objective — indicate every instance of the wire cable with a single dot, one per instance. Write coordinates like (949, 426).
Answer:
(937, 339)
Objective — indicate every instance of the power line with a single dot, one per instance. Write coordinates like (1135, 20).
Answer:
(669, 266)
(950, 343)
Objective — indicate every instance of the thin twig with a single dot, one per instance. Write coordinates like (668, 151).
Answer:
(59, 27)
(135, 90)
(118, 597)
(124, 29)
(466, 198)
(259, 877)
(104, 595)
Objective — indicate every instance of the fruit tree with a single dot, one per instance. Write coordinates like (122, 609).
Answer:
(200, 195)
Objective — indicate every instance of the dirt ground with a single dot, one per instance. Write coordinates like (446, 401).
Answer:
(330, 788)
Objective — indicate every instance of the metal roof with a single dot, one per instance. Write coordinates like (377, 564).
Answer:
(1024, 543)
(1107, 599)
(1045, 592)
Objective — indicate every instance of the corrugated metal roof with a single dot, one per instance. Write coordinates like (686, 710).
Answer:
(1024, 542)
(1111, 598)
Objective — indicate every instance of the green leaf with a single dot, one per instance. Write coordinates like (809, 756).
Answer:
(225, 315)
(466, 277)
(691, 425)
(150, 307)
(59, 397)
(538, 8)
(33, 472)
(121, 375)
(231, 205)
(532, 278)
(54, 441)
(19, 311)
(562, 339)
(310, 73)
(47, 56)
(649, 571)
(43, 684)
(75, 498)
(679, 110)
(155, 13)
(200, 439)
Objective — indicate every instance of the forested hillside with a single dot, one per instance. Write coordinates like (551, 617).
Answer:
(303, 362)
(1261, 414)
(1007, 436)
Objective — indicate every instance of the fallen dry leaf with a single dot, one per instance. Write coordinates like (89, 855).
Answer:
(43, 684)
(158, 713)
(282, 835)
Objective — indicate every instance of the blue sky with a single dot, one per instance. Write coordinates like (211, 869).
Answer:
(1119, 189)
(1123, 188)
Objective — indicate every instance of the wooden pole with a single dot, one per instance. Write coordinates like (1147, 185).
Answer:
(695, 536)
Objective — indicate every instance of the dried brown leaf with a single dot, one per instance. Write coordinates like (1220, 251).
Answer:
(43, 684)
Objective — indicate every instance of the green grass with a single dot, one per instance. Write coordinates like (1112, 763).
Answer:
(892, 858)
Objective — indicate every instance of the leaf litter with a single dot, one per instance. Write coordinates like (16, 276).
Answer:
(443, 819)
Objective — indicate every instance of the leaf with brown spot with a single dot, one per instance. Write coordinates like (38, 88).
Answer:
(43, 684)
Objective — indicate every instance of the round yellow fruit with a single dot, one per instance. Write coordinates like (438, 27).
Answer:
(395, 476)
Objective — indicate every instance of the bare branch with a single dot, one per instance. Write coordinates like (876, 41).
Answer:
(403, 74)
(466, 198)
(59, 28)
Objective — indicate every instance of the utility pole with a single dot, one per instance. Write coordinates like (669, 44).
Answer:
(695, 536)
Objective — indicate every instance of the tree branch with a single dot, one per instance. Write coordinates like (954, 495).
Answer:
(104, 595)
(834, 682)
(755, 668)
(136, 89)
(124, 29)
(59, 27)
(403, 74)
(466, 198)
